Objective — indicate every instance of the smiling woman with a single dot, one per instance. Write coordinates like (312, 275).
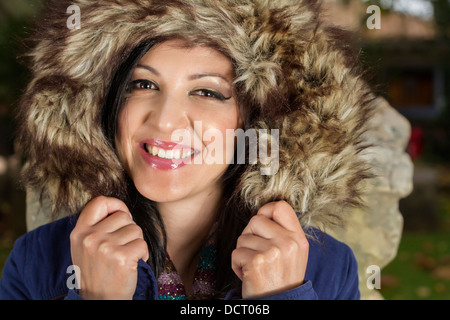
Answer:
(150, 219)
(182, 89)
(186, 85)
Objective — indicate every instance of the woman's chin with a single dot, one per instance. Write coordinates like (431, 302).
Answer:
(161, 191)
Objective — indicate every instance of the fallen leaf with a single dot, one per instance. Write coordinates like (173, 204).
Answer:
(442, 272)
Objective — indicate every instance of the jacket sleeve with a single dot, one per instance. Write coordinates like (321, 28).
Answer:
(303, 292)
(73, 295)
(13, 282)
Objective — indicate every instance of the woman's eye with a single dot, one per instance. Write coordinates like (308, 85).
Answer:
(142, 85)
(209, 94)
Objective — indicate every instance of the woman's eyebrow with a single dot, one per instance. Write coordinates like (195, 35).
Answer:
(192, 77)
(208, 74)
(148, 68)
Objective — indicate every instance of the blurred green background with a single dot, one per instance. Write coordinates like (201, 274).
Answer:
(410, 58)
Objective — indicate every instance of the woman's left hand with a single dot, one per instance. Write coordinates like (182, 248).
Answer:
(272, 253)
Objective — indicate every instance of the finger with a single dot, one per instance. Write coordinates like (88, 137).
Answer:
(114, 222)
(264, 227)
(254, 242)
(283, 214)
(138, 249)
(99, 208)
(127, 234)
(239, 259)
(268, 251)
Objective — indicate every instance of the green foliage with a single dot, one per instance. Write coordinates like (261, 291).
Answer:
(4, 253)
(421, 270)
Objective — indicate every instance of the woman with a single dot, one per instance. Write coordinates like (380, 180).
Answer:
(151, 217)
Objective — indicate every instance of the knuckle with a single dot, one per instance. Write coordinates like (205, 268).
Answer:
(98, 200)
(121, 258)
(234, 254)
(136, 230)
(281, 205)
(253, 219)
(236, 258)
(291, 246)
(90, 241)
(122, 217)
(234, 264)
(273, 253)
(105, 248)
(258, 260)
(142, 244)
(240, 241)
(256, 220)
(74, 236)
(101, 199)
(300, 246)
(304, 244)
(140, 250)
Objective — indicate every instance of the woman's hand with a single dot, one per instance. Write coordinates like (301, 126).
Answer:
(106, 244)
(272, 253)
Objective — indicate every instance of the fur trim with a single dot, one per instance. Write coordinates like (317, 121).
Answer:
(292, 68)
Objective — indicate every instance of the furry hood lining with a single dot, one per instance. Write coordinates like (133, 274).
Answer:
(298, 72)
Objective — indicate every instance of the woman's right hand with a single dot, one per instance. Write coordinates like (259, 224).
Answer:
(106, 244)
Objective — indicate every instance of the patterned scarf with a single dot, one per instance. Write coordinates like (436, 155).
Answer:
(170, 286)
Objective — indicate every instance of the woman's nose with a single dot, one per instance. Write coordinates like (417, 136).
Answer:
(170, 114)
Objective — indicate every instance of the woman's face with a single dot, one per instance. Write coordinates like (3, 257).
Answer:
(175, 96)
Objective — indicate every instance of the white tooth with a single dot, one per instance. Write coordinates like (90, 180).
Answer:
(177, 154)
(161, 153)
(154, 151)
(186, 154)
(169, 154)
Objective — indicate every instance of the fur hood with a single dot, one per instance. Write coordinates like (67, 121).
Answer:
(299, 74)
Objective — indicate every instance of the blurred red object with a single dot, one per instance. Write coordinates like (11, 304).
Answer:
(416, 142)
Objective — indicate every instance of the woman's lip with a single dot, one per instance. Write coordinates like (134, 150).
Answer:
(165, 164)
(166, 145)
(161, 164)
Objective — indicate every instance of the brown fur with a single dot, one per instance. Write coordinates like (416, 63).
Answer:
(294, 71)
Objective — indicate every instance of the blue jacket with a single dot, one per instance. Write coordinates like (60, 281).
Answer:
(38, 268)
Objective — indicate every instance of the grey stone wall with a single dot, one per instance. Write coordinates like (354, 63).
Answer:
(374, 233)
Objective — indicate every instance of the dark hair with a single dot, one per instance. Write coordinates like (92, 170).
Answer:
(233, 216)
